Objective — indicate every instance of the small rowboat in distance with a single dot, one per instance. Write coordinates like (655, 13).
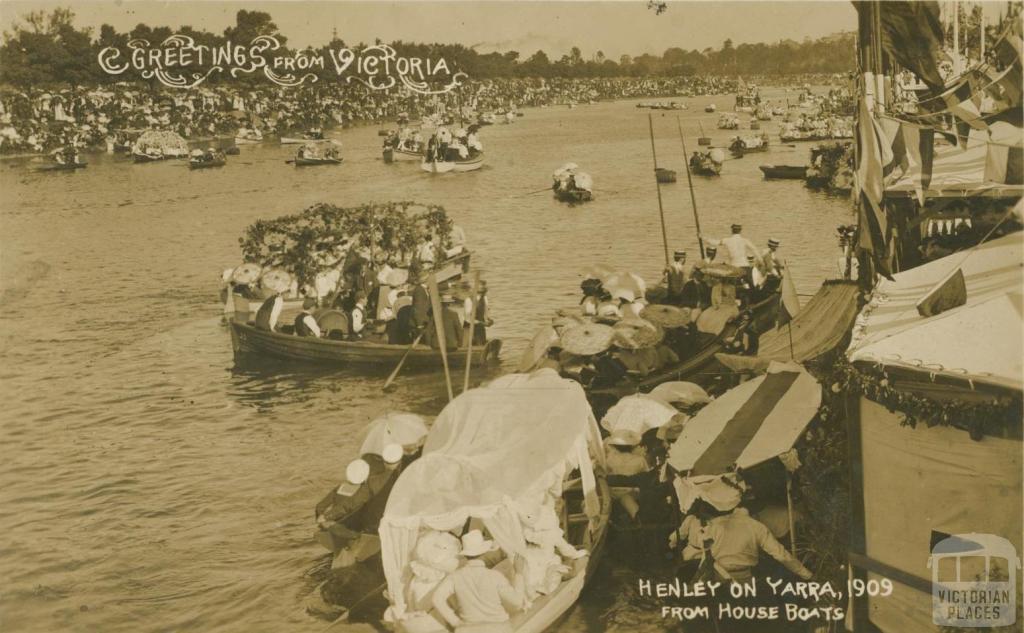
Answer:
(246, 340)
(206, 164)
(573, 196)
(442, 167)
(665, 176)
(788, 172)
(309, 162)
(64, 166)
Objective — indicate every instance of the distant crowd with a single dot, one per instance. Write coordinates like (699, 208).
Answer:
(41, 121)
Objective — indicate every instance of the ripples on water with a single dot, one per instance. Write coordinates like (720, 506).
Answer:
(149, 485)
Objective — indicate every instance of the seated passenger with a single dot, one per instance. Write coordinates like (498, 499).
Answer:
(485, 598)
(269, 313)
(305, 322)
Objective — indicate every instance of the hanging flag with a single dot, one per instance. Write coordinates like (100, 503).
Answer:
(1004, 164)
(920, 146)
(874, 226)
(789, 300)
(912, 35)
(949, 293)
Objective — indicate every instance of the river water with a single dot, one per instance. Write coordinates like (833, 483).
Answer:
(148, 484)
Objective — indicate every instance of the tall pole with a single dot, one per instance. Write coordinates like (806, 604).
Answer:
(471, 319)
(981, 26)
(956, 37)
(438, 310)
(657, 184)
(689, 181)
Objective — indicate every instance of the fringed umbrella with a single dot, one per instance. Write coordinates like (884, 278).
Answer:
(276, 280)
(638, 412)
(637, 334)
(406, 429)
(537, 349)
(680, 392)
(665, 315)
(246, 273)
(587, 339)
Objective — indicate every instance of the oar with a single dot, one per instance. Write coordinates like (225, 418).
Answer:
(523, 195)
(398, 368)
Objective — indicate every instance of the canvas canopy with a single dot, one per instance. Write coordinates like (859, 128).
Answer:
(958, 172)
(979, 341)
(818, 328)
(749, 424)
(491, 453)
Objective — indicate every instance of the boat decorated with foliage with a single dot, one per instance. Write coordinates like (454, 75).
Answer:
(157, 145)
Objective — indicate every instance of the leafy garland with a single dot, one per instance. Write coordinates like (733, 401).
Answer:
(979, 419)
(319, 238)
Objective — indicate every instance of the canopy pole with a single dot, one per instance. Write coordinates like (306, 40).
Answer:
(435, 305)
(693, 196)
(657, 184)
(471, 319)
(789, 508)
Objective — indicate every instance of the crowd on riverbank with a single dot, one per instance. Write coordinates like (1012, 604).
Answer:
(38, 120)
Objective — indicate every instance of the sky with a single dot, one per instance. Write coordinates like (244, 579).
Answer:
(614, 28)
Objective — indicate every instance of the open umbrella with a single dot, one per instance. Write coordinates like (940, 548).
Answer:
(276, 280)
(597, 271)
(397, 277)
(638, 412)
(665, 315)
(678, 391)
(624, 284)
(538, 348)
(246, 273)
(406, 429)
(587, 339)
(637, 334)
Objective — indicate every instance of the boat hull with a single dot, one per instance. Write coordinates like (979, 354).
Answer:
(247, 141)
(687, 369)
(313, 162)
(574, 196)
(784, 172)
(206, 164)
(443, 167)
(247, 340)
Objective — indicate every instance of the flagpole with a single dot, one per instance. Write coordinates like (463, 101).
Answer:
(693, 197)
(657, 184)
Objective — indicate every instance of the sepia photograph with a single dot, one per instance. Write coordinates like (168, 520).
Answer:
(511, 316)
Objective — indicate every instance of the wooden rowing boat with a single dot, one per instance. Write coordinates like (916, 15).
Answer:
(573, 196)
(64, 166)
(206, 164)
(787, 172)
(687, 368)
(246, 340)
(393, 154)
(358, 590)
(442, 167)
(665, 176)
(310, 162)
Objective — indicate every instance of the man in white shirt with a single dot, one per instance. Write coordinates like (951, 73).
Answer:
(738, 248)
(484, 596)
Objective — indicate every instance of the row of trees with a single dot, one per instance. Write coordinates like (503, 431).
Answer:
(46, 49)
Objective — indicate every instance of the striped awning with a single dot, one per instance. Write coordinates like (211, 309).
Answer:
(754, 422)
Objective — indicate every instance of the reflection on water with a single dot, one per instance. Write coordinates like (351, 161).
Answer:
(152, 485)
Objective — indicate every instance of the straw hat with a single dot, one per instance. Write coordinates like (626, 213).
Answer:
(623, 437)
(357, 472)
(392, 453)
(633, 333)
(474, 544)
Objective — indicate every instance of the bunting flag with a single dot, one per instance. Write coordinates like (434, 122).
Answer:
(919, 143)
(912, 35)
(1004, 164)
(789, 300)
(874, 225)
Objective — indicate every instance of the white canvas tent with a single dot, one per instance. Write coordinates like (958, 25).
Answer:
(912, 487)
